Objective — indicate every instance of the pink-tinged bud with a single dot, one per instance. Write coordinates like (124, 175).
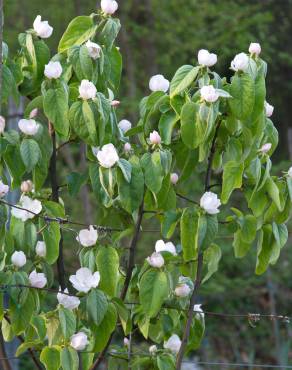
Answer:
(115, 103)
(155, 138)
(174, 178)
(126, 342)
(265, 148)
(26, 186)
(2, 124)
(255, 48)
(127, 147)
(33, 113)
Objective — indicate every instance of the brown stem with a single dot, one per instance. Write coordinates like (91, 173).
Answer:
(190, 311)
(130, 267)
(55, 198)
(4, 359)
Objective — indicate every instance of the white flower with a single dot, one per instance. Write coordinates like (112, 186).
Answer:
(28, 126)
(210, 203)
(67, 301)
(174, 178)
(126, 342)
(84, 280)
(18, 259)
(115, 103)
(37, 279)
(206, 59)
(255, 48)
(173, 343)
(86, 237)
(182, 289)
(158, 83)
(26, 186)
(2, 124)
(265, 148)
(87, 90)
(152, 349)
(41, 249)
(42, 28)
(269, 109)
(290, 172)
(155, 260)
(4, 189)
(33, 113)
(199, 312)
(160, 246)
(209, 93)
(127, 147)
(107, 156)
(240, 62)
(93, 49)
(53, 70)
(29, 205)
(154, 138)
(109, 6)
(79, 341)
(124, 125)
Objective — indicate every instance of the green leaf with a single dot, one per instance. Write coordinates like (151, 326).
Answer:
(126, 169)
(212, 256)
(189, 225)
(264, 249)
(232, 179)
(69, 359)
(242, 90)
(79, 30)
(30, 153)
(50, 358)
(153, 171)
(56, 109)
(110, 31)
(21, 314)
(51, 236)
(165, 362)
(274, 192)
(107, 261)
(105, 328)
(182, 79)
(188, 125)
(96, 306)
(166, 125)
(68, 322)
(153, 291)
(75, 182)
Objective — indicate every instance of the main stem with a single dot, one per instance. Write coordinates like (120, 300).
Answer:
(198, 279)
(131, 264)
(55, 198)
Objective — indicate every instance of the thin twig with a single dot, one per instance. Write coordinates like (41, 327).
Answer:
(186, 198)
(65, 143)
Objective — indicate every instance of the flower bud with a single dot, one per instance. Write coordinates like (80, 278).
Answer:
(155, 260)
(206, 59)
(158, 83)
(33, 113)
(4, 189)
(265, 148)
(240, 62)
(37, 279)
(87, 90)
(94, 49)
(182, 290)
(209, 94)
(269, 109)
(42, 28)
(152, 349)
(67, 301)
(53, 70)
(109, 6)
(173, 343)
(107, 156)
(26, 186)
(155, 138)
(127, 147)
(41, 249)
(124, 125)
(18, 259)
(2, 124)
(79, 341)
(255, 48)
(290, 172)
(174, 178)
(210, 203)
(28, 126)
(126, 342)
(86, 237)
(115, 103)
